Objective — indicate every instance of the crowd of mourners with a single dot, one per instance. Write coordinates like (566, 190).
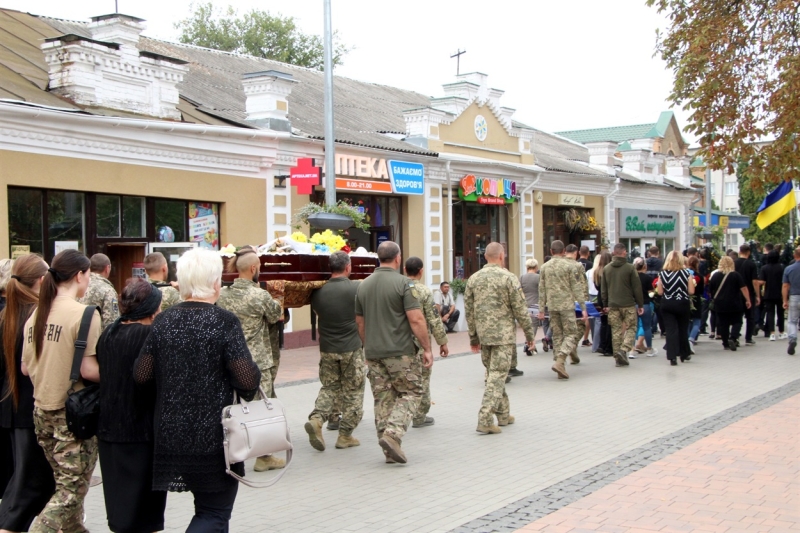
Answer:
(153, 437)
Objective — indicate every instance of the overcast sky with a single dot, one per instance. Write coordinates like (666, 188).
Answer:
(565, 64)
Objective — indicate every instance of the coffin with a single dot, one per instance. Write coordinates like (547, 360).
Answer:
(291, 278)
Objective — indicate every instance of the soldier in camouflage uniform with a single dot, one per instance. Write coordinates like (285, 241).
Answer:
(493, 300)
(435, 325)
(155, 266)
(560, 286)
(342, 370)
(571, 253)
(255, 309)
(388, 317)
(100, 291)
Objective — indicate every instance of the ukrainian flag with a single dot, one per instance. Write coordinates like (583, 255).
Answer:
(776, 204)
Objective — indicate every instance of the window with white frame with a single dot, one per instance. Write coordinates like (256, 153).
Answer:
(732, 188)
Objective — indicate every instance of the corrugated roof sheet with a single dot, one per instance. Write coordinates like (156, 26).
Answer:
(621, 134)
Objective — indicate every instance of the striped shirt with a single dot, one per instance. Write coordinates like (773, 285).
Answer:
(675, 284)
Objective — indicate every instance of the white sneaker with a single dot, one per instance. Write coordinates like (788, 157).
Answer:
(632, 355)
(651, 352)
(772, 337)
(783, 336)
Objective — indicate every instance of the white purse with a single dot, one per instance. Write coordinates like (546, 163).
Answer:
(253, 429)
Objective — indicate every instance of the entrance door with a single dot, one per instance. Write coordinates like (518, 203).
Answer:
(477, 234)
(123, 256)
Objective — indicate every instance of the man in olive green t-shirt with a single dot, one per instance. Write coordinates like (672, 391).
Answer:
(389, 316)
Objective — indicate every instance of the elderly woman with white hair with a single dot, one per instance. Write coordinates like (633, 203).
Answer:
(197, 355)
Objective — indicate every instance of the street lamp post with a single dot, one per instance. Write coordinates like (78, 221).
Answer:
(330, 159)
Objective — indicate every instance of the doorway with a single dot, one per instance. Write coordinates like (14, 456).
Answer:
(124, 257)
(475, 226)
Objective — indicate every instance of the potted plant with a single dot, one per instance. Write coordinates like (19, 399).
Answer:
(334, 217)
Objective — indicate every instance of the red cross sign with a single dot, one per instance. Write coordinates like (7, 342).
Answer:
(305, 175)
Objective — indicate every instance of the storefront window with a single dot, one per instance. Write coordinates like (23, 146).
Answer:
(107, 208)
(65, 220)
(170, 215)
(25, 218)
(133, 216)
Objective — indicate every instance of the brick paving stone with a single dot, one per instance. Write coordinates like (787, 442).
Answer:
(598, 427)
(735, 459)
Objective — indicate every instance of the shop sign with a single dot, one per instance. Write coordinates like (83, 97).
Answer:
(407, 178)
(305, 175)
(347, 184)
(575, 200)
(646, 223)
(203, 225)
(487, 190)
(18, 250)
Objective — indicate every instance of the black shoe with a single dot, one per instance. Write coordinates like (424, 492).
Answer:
(792, 346)
(333, 423)
(545, 346)
(508, 379)
(673, 362)
(514, 373)
(734, 346)
(751, 342)
(587, 342)
(526, 350)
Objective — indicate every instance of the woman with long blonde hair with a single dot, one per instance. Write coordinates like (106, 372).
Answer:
(676, 286)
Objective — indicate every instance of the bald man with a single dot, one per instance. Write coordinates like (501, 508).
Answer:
(493, 301)
(255, 309)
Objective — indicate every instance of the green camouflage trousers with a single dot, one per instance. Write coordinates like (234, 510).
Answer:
(497, 361)
(580, 327)
(73, 462)
(342, 378)
(623, 322)
(514, 360)
(397, 388)
(565, 333)
(425, 401)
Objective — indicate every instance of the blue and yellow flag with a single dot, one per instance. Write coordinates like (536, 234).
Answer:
(776, 204)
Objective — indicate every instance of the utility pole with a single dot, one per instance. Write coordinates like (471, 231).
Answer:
(457, 55)
(330, 160)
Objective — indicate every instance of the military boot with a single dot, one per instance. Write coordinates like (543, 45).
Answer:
(621, 358)
(314, 429)
(268, 462)
(574, 359)
(346, 441)
(427, 421)
(392, 448)
(559, 369)
(488, 430)
(333, 422)
(505, 421)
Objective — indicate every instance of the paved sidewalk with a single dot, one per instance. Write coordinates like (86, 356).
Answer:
(565, 432)
(745, 477)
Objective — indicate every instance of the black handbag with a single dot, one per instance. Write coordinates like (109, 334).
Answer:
(83, 406)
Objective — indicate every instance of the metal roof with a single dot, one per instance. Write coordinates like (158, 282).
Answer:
(620, 134)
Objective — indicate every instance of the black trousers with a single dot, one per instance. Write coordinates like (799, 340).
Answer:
(453, 320)
(676, 324)
(32, 484)
(212, 510)
(750, 322)
(771, 309)
(729, 326)
(704, 315)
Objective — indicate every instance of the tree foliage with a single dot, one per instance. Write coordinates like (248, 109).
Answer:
(257, 33)
(736, 65)
(749, 202)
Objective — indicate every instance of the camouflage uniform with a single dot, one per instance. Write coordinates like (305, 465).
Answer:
(624, 323)
(73, 462)
(560, 286)
(101, 293)
(580, 325)
(342, 376)
(435, 325)
(493, 300)
(274, 332)
(397, 388)
(255, 309)
(169, 294)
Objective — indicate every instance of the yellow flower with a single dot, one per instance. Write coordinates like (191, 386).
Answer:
(298, 236)
(328, 238)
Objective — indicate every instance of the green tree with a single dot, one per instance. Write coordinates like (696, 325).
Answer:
(257, 33)
(749, 202)
(736, 65)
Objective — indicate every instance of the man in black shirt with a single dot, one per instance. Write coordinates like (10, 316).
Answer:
(584, 258)
(746, 267)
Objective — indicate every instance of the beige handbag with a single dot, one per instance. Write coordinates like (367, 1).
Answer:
(253, 429)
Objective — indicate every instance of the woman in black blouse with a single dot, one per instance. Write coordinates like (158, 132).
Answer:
(772, 281)
(675, 286)
(197, 355)
(31, 484)
(125, 429)
(727, 287)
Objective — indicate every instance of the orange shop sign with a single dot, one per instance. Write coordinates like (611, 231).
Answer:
(347, 184)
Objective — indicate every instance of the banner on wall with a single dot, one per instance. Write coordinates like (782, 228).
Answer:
(491, 191)
(204, 225)
(646, 223)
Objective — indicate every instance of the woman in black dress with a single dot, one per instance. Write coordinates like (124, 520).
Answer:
(31, 484)
(197, 356)
(125, 429)
(772, 281)
(727, 287)
(676, 286)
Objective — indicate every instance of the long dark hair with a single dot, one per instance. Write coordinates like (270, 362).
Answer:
(20, 302)
(66, 266)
